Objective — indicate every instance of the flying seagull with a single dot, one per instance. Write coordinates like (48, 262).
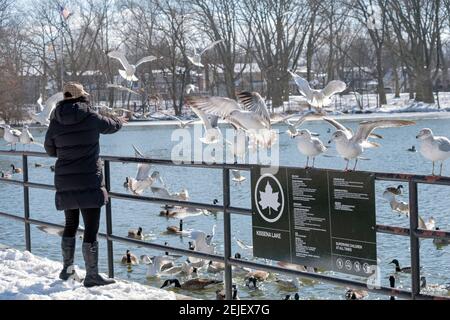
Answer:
(130, 69)
(196, 59)
(318, 98)
(43, 117)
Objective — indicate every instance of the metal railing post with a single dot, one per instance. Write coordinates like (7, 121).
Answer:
(414, 240)
(26, 202)
(227, 234)
(109, 230)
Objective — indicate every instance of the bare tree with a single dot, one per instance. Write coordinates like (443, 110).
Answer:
(417, 25)
(278, 31)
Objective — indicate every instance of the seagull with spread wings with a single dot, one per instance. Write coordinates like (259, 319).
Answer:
(351, 146)
(182, 124)
(43, 117)
(130, 69)
(196, 59)
(318, 98)
(252, 116)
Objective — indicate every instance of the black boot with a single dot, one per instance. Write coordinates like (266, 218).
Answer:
(90, 254)
(68, 252)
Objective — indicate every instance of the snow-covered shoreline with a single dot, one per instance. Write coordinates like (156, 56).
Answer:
(24, 276)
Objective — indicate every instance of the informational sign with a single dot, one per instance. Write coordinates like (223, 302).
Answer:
(315, 218)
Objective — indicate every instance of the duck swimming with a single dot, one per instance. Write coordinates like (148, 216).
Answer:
(398, 269)
(192, 284)
(220, 294)
(136, 234)
(130, 259)
(441, 242)
(353, 294)
(412, 149)
(15, 169)
(6, 175)
(175, 229)
(397, 191)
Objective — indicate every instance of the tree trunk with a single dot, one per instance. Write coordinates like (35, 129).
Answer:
(396, 80)
(380, 75)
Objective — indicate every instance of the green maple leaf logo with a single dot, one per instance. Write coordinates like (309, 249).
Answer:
(269, 199)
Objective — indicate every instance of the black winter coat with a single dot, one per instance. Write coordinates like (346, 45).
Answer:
(73, 137)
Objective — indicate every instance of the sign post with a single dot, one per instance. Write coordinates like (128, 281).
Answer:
(316, 218)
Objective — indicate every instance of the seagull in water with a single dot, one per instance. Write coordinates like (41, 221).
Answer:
(130, 69)
(196, 59)
(43, 117)
(318, 98)
(309, 146)
(351, 146)
(434, 148)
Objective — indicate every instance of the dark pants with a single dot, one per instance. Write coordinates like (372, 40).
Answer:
(91, 218)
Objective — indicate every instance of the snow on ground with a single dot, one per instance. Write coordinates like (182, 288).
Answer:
(350, 103)
(24, 276)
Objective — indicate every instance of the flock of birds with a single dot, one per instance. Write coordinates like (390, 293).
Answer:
(250, 117)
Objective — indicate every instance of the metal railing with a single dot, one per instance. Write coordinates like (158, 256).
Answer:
(413, 232)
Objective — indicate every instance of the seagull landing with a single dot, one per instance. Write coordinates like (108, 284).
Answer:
(318, 98)
(43, 117)
(130, 69)
(196, 59)
(351, 146)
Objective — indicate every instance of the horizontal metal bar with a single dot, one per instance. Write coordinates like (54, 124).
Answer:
(440, 180)
(33, 185)
(332, 280)
(237, 262)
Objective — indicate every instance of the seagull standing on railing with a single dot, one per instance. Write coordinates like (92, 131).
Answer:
(309, 146)
(26, 138)
(434, 148)
(130, 69)
(351, 146)
(12, 136)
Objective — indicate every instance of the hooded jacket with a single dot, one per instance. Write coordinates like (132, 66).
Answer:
(73, 137)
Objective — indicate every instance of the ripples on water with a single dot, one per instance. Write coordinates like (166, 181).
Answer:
(206, 185)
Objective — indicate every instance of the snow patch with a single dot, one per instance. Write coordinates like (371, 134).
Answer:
(24, 276)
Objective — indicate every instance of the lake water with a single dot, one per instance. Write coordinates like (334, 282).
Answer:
(206, 185)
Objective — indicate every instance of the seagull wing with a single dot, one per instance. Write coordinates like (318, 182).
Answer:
(39, 102)
(444, 144)
(118, 55)
(338, 126)
(211, 46)
(16, 133)
(303, 85)
(143, 171)
(319, 145)
(203, 117)
(138, 153)
(334, 87)
(161, 192)
(365, 128)
(253, 101)
(218, 106)
(305, 116)
(50, 104)
(146, 59)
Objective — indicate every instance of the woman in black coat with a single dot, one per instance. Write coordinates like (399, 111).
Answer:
(73, 137)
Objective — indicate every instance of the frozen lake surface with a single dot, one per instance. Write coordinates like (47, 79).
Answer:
(206, 186)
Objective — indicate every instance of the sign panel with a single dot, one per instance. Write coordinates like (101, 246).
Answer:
(316, 218)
